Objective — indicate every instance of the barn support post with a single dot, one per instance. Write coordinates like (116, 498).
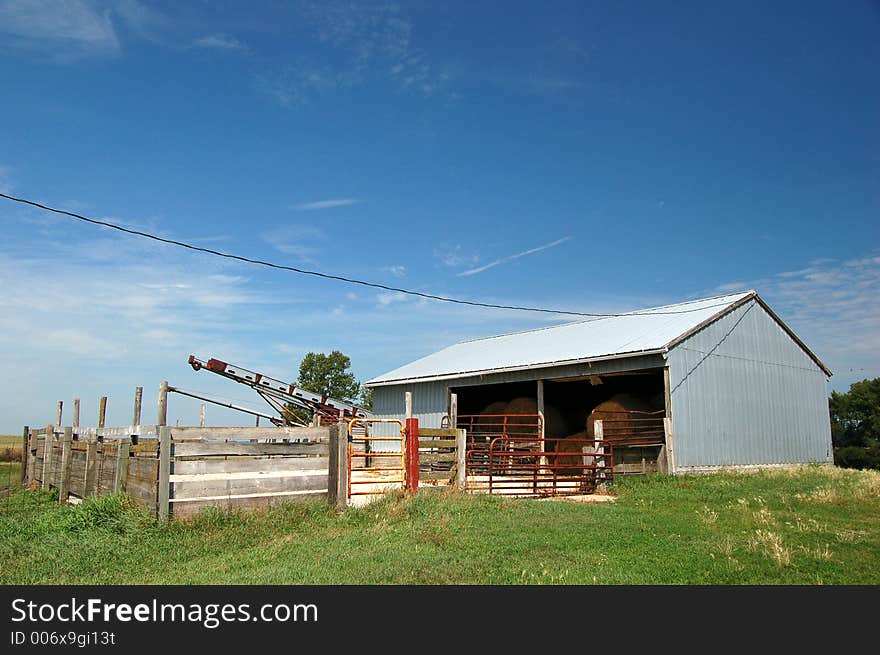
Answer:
(163, 496)
(64, 477)
(669, 446)
(412, 455)
(24, 453)
(542, 431)
(599, 435)
(337, 482)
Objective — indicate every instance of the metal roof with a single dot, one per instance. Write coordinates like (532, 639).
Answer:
(640, 332)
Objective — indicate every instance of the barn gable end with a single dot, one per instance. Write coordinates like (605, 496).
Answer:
(745, 391)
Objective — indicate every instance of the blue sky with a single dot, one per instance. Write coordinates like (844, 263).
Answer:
(583, 156)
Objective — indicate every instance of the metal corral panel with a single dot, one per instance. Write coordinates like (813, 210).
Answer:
(648, 330)
(745, 393)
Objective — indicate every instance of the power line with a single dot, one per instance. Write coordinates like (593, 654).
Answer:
(339, 278)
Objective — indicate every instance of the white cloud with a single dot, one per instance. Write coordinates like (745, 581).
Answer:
(74, 26)
(301, 241)
(396, 271)
(390, 297)
(832, 306)
(455, 256)
(360, 45)
(326, 204)
(510, 258)
(220, 42)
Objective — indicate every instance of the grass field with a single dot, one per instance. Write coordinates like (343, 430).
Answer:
(812, 526)
(10, 443)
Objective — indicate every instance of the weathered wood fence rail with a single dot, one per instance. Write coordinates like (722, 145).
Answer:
(176, 471)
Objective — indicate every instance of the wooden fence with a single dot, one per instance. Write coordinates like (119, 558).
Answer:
(177, 471)
(441, 457)
(174, 471)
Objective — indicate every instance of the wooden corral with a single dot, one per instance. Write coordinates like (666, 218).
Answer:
(176, 471)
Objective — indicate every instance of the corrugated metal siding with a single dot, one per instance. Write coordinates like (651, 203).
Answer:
(429, 404)
(757, 399)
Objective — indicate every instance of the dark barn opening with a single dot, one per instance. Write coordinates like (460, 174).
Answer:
(631, 407)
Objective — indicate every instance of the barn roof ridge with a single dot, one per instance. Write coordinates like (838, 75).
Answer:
(651, 311)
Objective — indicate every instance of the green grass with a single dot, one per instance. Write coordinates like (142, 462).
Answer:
(10, 475)
(812, 526)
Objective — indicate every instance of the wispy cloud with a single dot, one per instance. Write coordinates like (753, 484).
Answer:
(455, 256)
(510, 258)
(396, 271)
(73, 27)
(386, 298)
(219, 42)
(326, 204)
(832, 305)
(5, 182)
(301, 241)
(360, 45)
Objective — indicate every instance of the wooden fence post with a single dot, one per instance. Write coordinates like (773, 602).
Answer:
(138, 396)
(32, 457)
(76, 412)
(64, 477)
(59, 412)
(47, 456)
(122, 452)
(162, 508)
(337, 477)
(460, 459)
(25, 453)
(90, 488)
(203, 411)
(453, 410)
(407, 399)
(102, 412)
(162, 418)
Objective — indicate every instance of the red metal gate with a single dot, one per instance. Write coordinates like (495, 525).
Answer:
(562, 467)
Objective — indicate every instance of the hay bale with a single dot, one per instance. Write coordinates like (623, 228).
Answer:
(554, 423)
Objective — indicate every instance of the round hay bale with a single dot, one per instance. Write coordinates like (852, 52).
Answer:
(554, 423)
(616, 408)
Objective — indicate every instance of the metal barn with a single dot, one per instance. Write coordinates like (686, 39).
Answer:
(716, 382)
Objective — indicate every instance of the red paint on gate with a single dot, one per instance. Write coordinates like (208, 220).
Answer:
(412, 454)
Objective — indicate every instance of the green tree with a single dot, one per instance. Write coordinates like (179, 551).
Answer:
(855, 425)
(366, 400)
(855, 415)
(328, 374)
